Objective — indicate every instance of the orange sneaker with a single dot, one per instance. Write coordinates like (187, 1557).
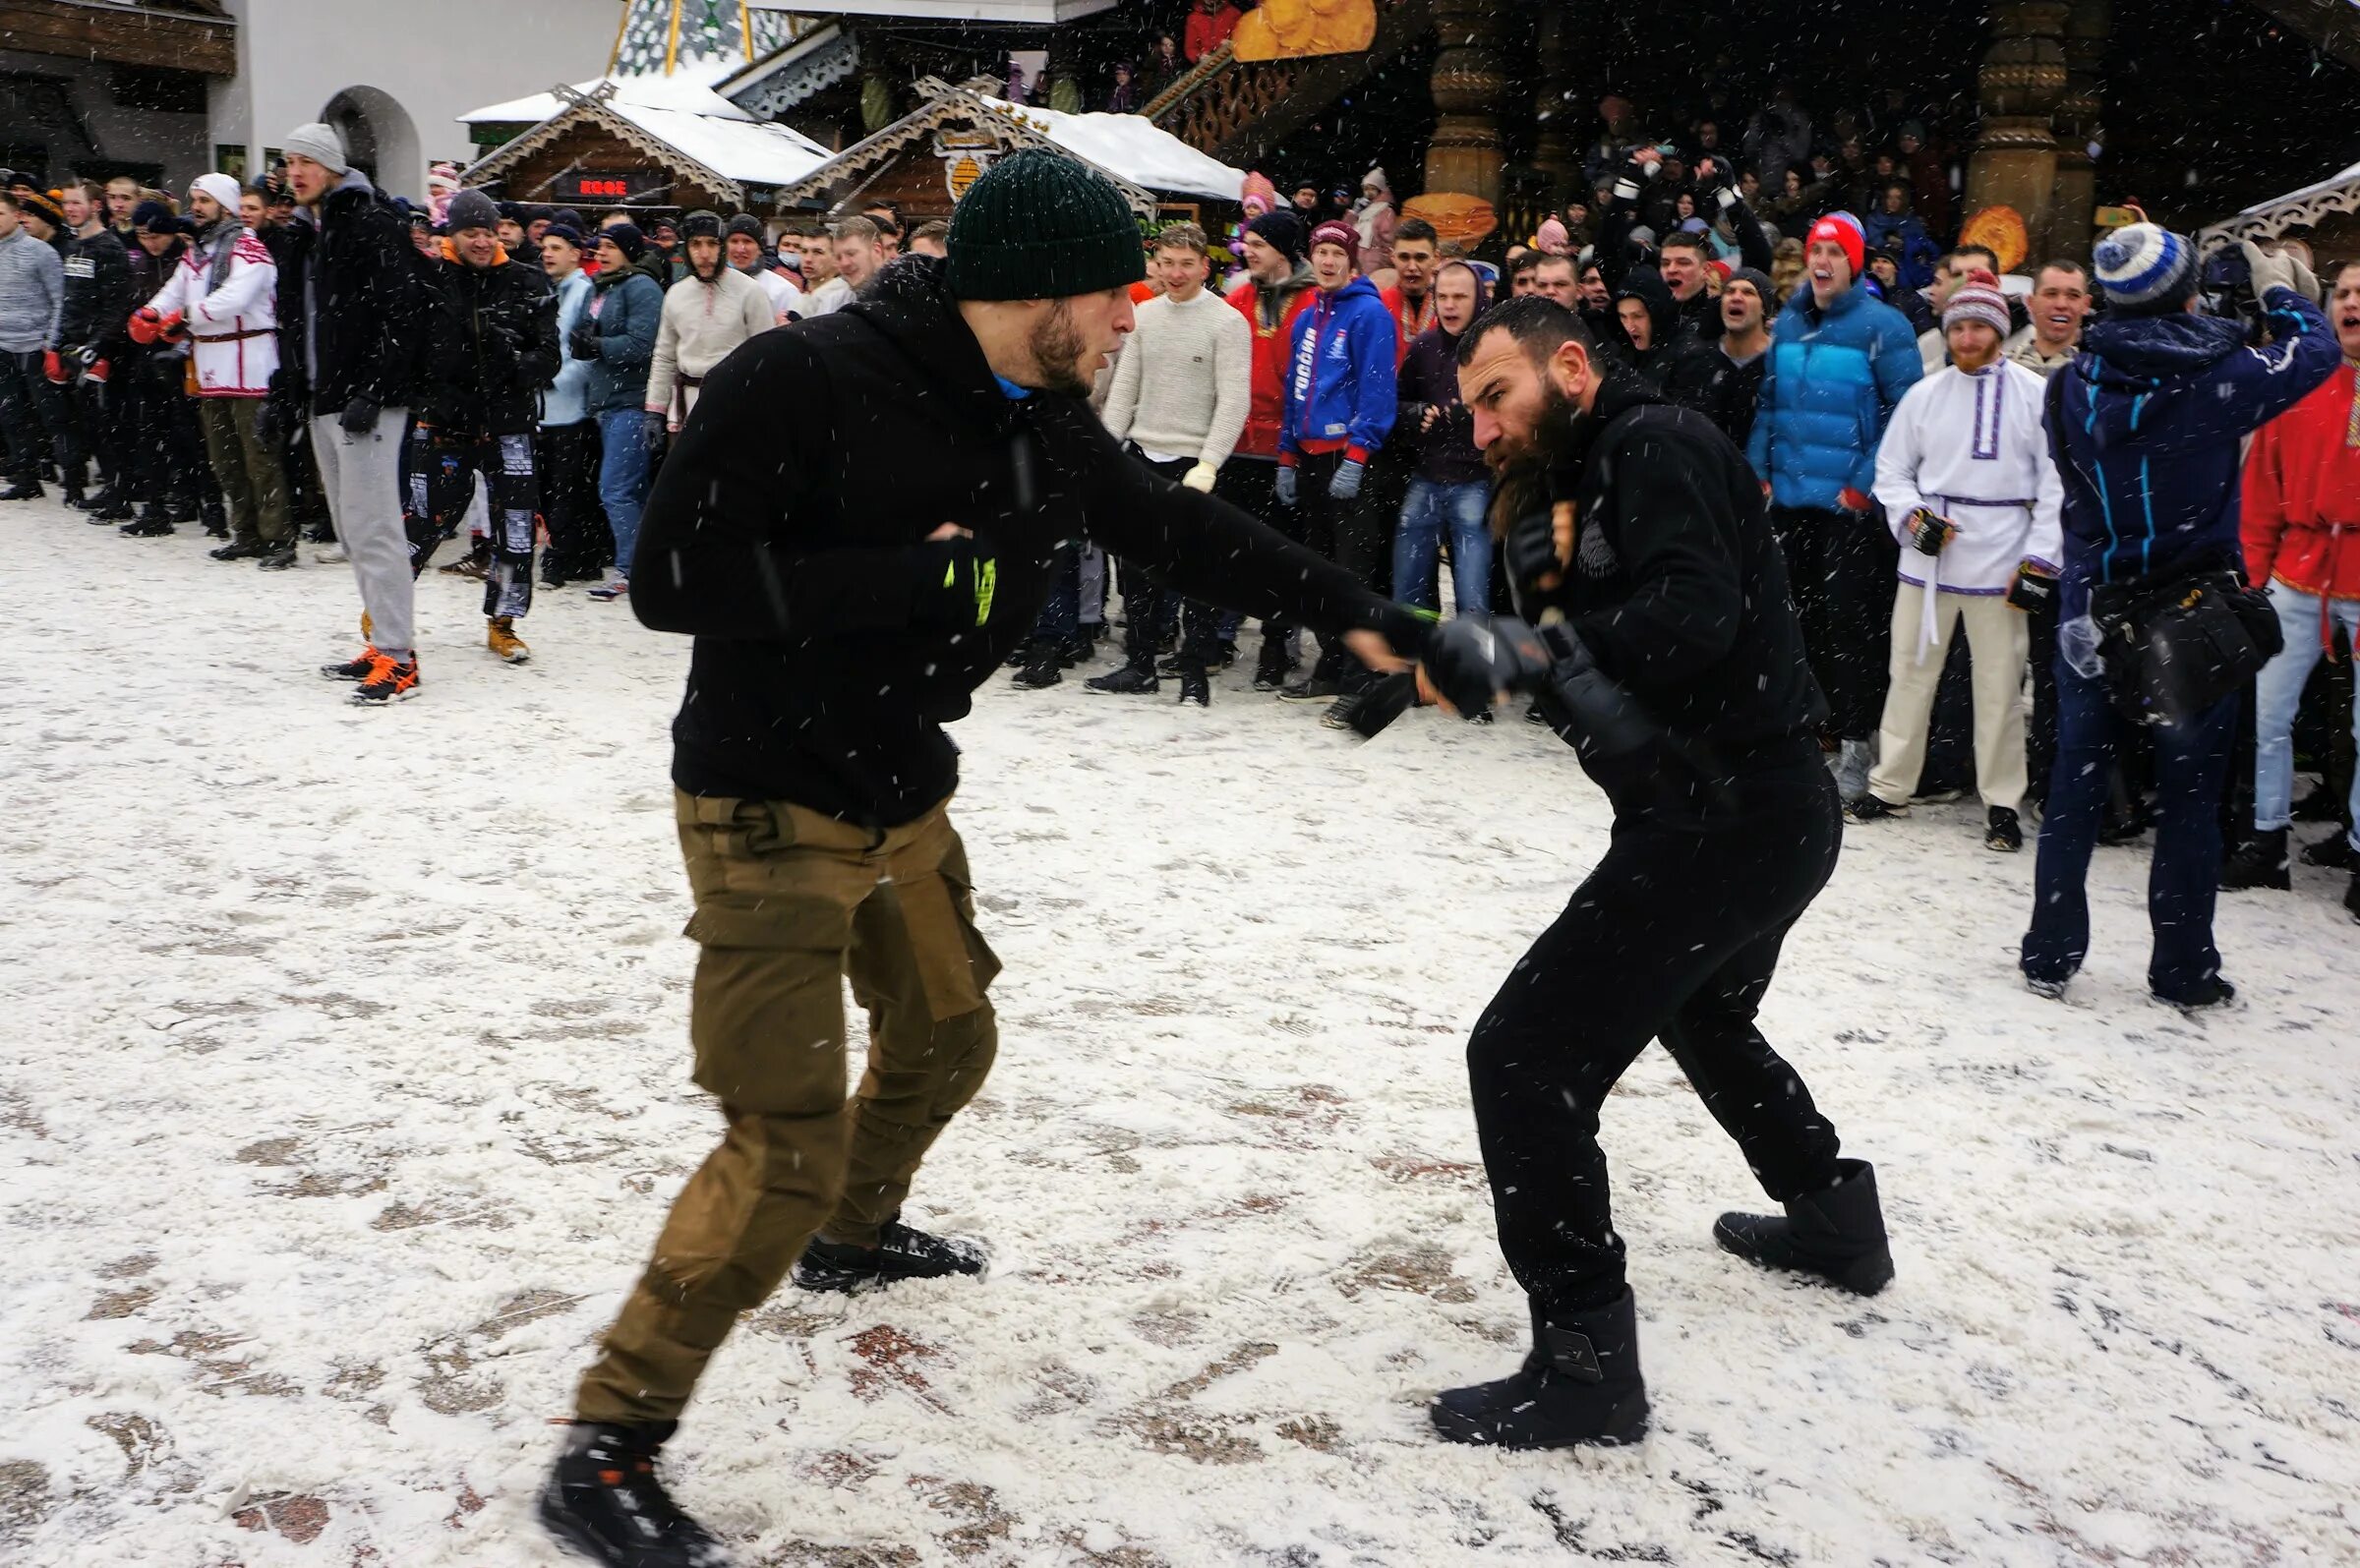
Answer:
(390, 681)
(353, 669)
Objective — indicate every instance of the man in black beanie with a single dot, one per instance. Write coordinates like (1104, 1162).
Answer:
(851, 577)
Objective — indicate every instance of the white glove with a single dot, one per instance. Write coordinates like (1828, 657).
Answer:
(1200, 478)
(2282, 270)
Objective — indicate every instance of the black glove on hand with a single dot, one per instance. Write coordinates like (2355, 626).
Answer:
(1929, 531)
(1530, 558)
(955, 580)
(1472, 666)
(583, 342)
(360, 416)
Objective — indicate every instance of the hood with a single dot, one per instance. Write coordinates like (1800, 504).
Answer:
(1360, 288)
(2141, 365)
(1646, 285)
(1619, 392)
(911, 305)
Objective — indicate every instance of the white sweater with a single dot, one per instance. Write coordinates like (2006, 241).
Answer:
(1973, 449)
(702, 322)
(1185, 382)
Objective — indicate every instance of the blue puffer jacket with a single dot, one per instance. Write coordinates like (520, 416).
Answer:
(568, 400)
(1834, 378)
(1341, 377)
(2146, 426)
(630, 312)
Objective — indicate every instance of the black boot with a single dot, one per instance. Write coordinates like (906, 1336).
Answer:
(2260, 862)
(1042, 666)
(153, 523)
(1196, 688)
(1837, 1233)
(217, 519)
(902, 1252)
(604, 1500)
(1272, 667)
(1130, 680)
(1580, 1383)
(23, 490)
(114, 506)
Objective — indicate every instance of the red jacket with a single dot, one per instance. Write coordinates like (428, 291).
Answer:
(1406, 327)
(2300, 523)
(1207, 31)
(1272, 353)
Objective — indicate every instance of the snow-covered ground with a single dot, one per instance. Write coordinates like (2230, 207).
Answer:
(347, 1085)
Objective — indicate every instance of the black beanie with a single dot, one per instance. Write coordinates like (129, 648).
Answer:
(628, 239)
(1283, 232)
(1039, 225)
(567, 232)
(701, 225)
(1761, 286)
(743, 223)
(470, 209)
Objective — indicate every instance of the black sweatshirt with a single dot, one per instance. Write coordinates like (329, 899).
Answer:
(788, 531)
(98, 303)
(1679, 592)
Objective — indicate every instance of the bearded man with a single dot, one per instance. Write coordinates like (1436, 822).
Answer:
(1669, 656)
(851, 577)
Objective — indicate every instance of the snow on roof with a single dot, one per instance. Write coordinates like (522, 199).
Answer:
(683, 112)
(1139, 152)
(2329, 184)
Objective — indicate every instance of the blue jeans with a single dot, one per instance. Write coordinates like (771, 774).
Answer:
(622, 478)
(1417, 545)
(2278, 691)
(2191, 762)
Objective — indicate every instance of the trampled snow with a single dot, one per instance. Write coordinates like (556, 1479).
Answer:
(346, 1086)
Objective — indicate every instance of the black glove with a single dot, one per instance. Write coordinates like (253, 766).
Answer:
(582, 343)
(1473, 666)
(954, 585)
(1530, 558)
(360, 416)
(1929, 531)
(271, 422)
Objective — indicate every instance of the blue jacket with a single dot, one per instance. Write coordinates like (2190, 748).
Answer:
(1832, 380)
(568, 400)
(1919, 252)
(2146, 426)
(1342, 373)
(629, 313)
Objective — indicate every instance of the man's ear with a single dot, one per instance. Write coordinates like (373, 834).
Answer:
(1569, 369)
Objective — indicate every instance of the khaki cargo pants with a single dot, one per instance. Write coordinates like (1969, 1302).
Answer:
(789, 903)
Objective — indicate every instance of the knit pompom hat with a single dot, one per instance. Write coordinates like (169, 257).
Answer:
(2146, 269)
(1038, 225)
(1978, 299)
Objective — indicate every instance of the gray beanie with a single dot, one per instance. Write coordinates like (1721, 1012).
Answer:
(319, 143)
(470, 209)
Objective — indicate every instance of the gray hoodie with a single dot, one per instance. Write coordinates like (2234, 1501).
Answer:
(33, 290)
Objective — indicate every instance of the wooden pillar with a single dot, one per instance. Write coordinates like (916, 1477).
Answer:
(1465, 156)
(2018, 85)
(2087, 24)
(1555, 151)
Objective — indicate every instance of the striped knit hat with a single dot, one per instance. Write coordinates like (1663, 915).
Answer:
(2146, 271)
(1978, 299)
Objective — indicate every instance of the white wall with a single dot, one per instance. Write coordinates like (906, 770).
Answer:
(436, 59)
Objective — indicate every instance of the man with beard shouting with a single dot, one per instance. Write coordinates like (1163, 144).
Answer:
(850, 576)
(1669, 656)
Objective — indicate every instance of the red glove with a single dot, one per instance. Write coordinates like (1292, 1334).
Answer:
(1851, 501)
(53, 367)
(98, 372)
(171, 329)
(146, 326)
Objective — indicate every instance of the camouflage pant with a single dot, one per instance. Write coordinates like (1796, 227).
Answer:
(788, 905)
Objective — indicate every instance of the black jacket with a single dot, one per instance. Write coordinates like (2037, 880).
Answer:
(1445, 450)
(1678, 591)
(98, 301)
(144, 276)
(787, 531)
(349, 277)
(1653, 363)
(1705, 378)
(490, 346)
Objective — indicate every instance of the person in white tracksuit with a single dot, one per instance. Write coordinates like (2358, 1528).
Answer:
(1970, 489)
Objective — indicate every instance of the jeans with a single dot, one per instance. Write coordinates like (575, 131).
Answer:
(1426, 509)
(2278, 691)
(2192, 761)
(623, 449)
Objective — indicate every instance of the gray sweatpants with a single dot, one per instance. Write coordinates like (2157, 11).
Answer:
(361, 479)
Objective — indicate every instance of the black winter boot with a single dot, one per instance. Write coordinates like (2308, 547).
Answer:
(1580, 1384)
(1837, 1233)
(1130, 680)
(1272, 667)
(902, 1252)
(23, 490)
(153, 523)
(2260, 862)
(1042, 666)
(1196, 687)
(604, 1500)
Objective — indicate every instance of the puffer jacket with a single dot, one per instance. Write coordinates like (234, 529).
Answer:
(491, 346)
(1834, 380)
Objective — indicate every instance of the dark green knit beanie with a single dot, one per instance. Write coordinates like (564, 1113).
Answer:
(1038, 225)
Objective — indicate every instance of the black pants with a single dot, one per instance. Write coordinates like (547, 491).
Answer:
(1349, 533)
(579, 541)
(34, 417)
(99, 409)
(1673, 937)
(166, 446)
(1251, 485)
(1154, 610)
(2040, 730)
(1840, 571)
(439, 468)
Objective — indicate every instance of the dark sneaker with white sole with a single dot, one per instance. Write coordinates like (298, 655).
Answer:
(604, 1502)
(902, 1252)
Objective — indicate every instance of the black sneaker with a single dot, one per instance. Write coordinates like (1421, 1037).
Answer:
(277, 557)
(2214, 993)
(1227, 656)
(2259, 862)
(1870, 809)
(1534, 715)
(2001, 830)
(153, 523)
(1130, 680)
(114, 508)
(23, 490)
(1272, 667)
(603, 1501)
(1339, 712)
(241, 549)
(1196, 688)
(1314, 687)
(354, 668)
(2334, 854)
(1042, 667)
(902, 1252)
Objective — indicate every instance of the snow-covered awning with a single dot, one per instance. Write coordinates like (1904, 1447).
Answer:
(1137, 149)
(679, 121)
(767, 89)
(2296, 210)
